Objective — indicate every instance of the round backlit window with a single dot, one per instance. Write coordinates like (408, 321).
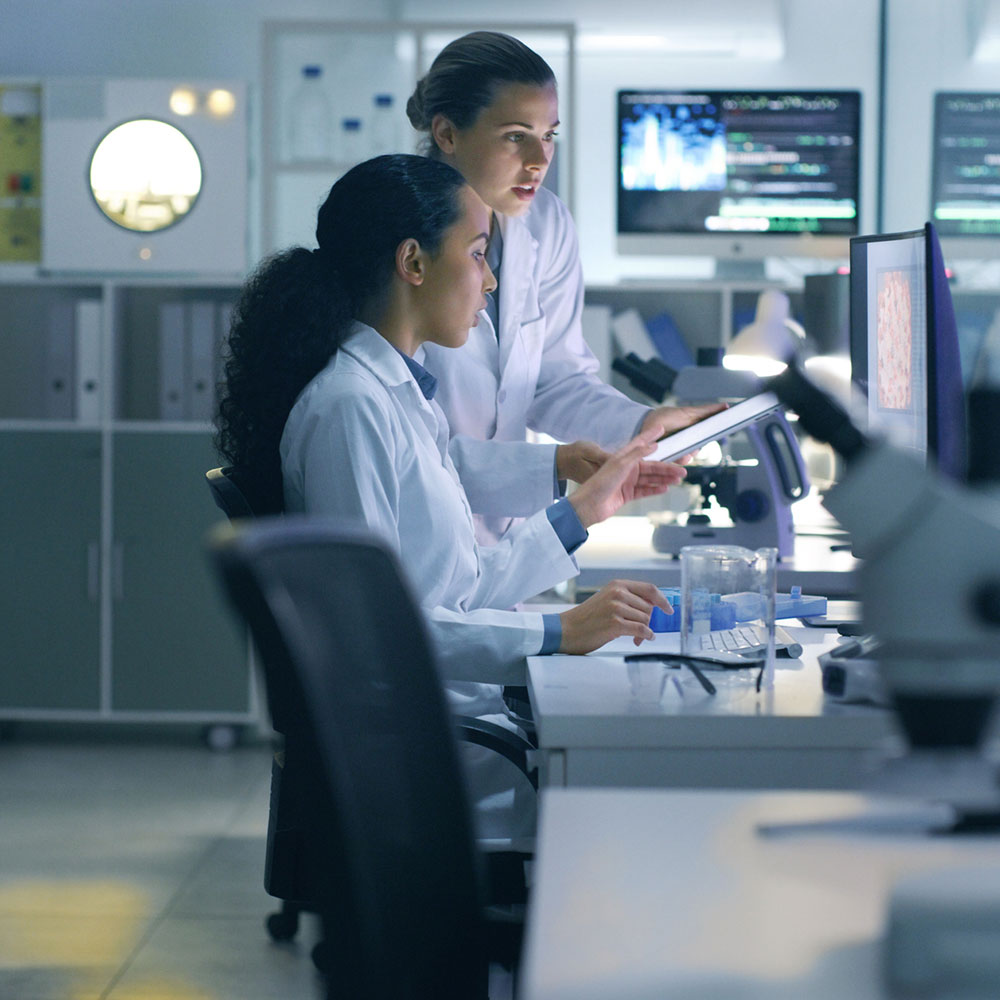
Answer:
(145, 175)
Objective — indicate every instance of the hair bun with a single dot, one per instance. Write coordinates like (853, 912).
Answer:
(415, 107)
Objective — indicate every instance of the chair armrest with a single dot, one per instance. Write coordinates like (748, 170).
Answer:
(502, 741)
(517, 707)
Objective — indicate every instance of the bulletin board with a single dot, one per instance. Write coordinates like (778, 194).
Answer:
(20, 172)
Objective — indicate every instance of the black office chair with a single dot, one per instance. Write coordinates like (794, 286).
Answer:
(229, 492)
(296, 853)
(402, 891)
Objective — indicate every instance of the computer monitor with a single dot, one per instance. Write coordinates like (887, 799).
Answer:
(965, 178)
(904, 345)
(738, 174)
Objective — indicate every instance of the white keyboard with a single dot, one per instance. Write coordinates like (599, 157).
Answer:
(747, 640)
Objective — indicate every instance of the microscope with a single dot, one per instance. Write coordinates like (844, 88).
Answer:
(757, 492)
(930, 590)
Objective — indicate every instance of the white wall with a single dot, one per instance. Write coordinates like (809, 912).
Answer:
(933, 44)
(151, 38)
(826, 43)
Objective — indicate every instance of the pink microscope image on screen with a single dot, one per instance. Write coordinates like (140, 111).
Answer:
(894, 339)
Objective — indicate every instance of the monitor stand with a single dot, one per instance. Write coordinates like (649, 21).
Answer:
(730, 269)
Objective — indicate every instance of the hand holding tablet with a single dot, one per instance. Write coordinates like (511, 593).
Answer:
(722, 424)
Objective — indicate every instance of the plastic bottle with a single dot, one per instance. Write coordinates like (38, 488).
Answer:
(352, 140)
(310, 118)
(384, 133)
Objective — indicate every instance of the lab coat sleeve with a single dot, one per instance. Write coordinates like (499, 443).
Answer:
(485, 646)
(505, 478)
(527, 560)
(571, 402)
(344, 451)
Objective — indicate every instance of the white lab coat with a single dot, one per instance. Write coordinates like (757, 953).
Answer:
(361, 441)
(539, 374)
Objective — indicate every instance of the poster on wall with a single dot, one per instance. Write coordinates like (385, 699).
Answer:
(20, 172)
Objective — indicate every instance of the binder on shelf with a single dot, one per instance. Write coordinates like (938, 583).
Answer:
(60, 379)
(632, 335)
(671, 347)
(201, 369)
(87, 353)
(173, 361)
(596, 324)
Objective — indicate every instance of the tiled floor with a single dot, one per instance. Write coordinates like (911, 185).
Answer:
(133, 870)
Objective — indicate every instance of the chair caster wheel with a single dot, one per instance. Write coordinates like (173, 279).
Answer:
(281, 926)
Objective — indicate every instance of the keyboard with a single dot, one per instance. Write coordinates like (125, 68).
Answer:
(747, 640)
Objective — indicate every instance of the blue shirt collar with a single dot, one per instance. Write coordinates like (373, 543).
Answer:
(424, 379)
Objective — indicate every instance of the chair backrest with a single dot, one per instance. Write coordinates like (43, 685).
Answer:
(335, 623)
(230, 492)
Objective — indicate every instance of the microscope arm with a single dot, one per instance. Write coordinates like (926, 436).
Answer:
(930, 577)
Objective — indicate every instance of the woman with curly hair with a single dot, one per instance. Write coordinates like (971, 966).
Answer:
(325, 410)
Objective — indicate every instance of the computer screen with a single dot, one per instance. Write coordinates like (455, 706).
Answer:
(904, 345)
(738, 169)
(965, 183)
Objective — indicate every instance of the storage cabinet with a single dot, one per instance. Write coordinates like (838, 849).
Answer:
(175, 648)
(109, 608)
(50, 507)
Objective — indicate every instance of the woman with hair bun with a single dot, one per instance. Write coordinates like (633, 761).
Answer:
(488, 106)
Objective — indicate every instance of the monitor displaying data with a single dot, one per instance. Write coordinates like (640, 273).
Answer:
(965, 185)
(738, 163)
(904, 345)
(889, 334)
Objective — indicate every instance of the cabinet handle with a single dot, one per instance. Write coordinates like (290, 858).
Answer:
(118, 569)
(93, 571)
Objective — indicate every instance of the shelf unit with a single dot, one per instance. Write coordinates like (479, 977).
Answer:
(359, 60)
(709, 313)
(110, 611)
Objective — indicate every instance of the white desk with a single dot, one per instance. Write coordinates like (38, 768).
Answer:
(601, 722)
(662, 895)
(622, 547)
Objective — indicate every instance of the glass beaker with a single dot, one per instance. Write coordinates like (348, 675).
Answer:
(727, 587)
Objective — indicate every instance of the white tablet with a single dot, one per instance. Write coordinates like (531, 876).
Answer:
(718, 425)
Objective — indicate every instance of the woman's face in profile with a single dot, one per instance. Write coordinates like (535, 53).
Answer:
(458, 277)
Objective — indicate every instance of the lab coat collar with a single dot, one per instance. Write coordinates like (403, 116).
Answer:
(426, 382)
(371, 349)
(515, 282)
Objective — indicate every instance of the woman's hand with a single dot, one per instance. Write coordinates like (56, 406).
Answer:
(621, 607)
(624, 477)
(665, 420)
(580, 460)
